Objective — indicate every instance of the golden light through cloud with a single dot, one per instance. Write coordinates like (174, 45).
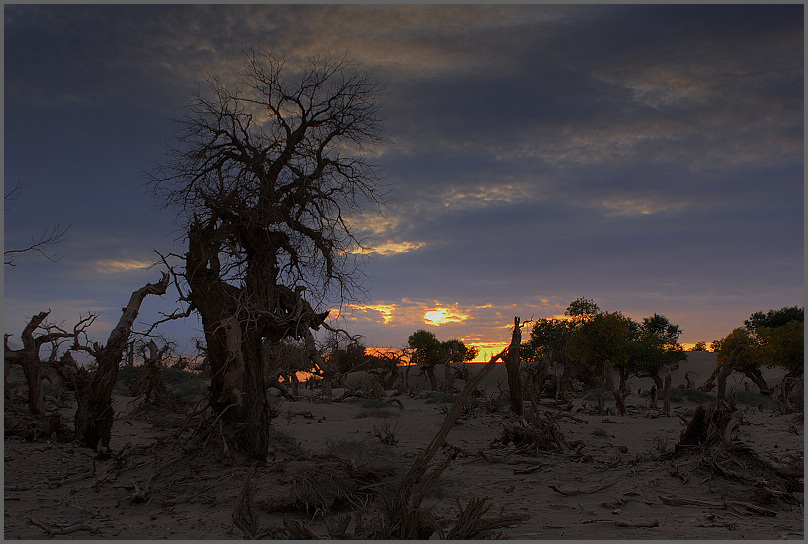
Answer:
(392, 248)
(441, 316)
(112, 265)
(386, 310)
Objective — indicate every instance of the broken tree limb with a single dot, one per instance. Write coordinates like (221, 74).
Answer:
(95, 415)
(723, 505)
(529, 470)
(569, 492)
(65, 529)
(420, 464)
(622, 523)
(64, 480)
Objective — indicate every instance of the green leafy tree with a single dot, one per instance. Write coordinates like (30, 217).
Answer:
(427, 352)
(782, 346)
(592, 341)
(700, 346)
(582, 306)
(774, 318)
(549, 339)
(771, 339)
(459, 352)
(601, 340)
(652, 346)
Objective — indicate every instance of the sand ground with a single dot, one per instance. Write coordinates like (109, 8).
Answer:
(610, 484)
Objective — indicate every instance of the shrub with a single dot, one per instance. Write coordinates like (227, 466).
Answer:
(691, 395)
(372, 403)
(592, 394)
(375, 412)
(284, 441)
(752, 398)
(437, 397)
(358, 450)
(188, 385)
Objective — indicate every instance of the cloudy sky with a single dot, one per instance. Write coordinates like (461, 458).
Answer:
(647, 157)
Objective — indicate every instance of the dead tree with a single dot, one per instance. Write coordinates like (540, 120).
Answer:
(29, 355)
(150, 379)
(264, 180)
(95, 416)
(512, 368)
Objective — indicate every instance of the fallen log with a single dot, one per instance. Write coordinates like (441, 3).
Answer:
(569, 492)
(64, 529)
(723, 505)
(623, 523)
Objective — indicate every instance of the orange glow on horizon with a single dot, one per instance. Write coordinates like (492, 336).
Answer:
(487, 350)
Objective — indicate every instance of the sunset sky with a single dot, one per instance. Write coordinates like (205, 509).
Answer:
(648, 157)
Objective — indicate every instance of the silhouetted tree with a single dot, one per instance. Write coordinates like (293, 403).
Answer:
(94, 415)
(700, 346)
(266, 176)
(29, 357)
(427, 352)
(774, 338)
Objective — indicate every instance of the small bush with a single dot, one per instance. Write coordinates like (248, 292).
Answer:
(188, 385)
(375, 412)
(185, 385)
(599, 431)
(438, 397)
(751, 398)
(52, 389)
(126, 375)
(358, 450)
(592, 394)
(372, 403)
(279, 439)
(691, 395)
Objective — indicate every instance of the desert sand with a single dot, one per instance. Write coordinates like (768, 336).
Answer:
(611, 478)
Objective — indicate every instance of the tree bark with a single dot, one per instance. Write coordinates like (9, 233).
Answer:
(757, 378)
(256, 407)
(28, 358)
(730, 364)
(433, 381)
(722, 383)
(620, 402)
(512, 368)
(95, 416)
(666, 395)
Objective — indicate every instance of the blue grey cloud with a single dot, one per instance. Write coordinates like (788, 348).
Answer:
(650, 156)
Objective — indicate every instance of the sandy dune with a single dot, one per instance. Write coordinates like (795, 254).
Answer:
(611, 481)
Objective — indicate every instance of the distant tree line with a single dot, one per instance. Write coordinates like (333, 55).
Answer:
(589, 343)
(767, 340)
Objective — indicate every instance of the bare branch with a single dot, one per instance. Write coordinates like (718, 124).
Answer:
(39, 245)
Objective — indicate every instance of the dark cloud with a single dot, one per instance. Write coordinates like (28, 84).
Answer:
(648, 155)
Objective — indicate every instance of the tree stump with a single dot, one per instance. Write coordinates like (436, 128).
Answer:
(512, 368)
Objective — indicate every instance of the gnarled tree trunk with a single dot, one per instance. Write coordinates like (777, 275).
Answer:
(28, 358)
(95, 416)
(512, 368)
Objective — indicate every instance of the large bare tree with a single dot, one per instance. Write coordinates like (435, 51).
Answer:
(265, 176)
